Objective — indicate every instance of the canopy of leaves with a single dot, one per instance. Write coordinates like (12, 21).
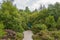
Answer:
(38, 20)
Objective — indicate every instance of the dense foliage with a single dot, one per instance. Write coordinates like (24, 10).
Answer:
(44, 23)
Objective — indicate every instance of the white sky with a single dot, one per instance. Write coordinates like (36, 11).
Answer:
(33, 4)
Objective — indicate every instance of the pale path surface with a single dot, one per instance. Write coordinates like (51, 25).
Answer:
(28, 35)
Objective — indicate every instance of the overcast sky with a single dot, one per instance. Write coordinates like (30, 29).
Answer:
(33, 4)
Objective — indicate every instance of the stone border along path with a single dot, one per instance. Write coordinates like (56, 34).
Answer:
(27, 35)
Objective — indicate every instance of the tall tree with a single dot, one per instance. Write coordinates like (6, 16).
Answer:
(9, 14)
(27, 10)
(50, 22)
(54, 10)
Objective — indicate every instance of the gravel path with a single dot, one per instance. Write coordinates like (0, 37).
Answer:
(28, 35)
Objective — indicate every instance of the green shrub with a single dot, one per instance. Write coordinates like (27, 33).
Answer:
(43, 35)
(19, 36)
(2, 33)
(37, 27)
(56, 34)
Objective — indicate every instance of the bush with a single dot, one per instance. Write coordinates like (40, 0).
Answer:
(36, 28)
(43, 35)
(19, 36)
(2, 33)
(56, 35)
